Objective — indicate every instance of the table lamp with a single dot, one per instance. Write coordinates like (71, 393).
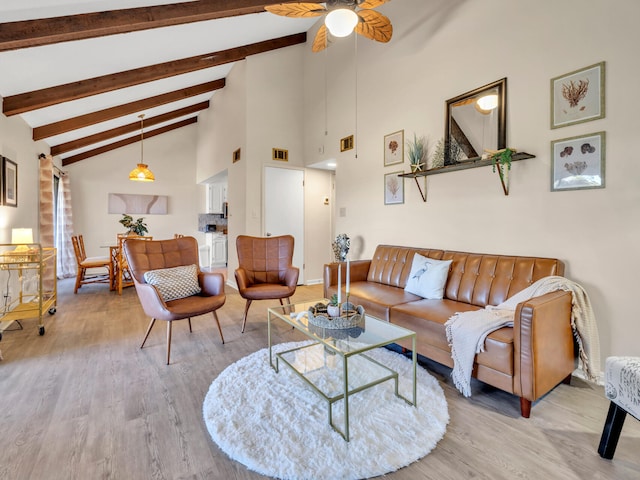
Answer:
(22, 237)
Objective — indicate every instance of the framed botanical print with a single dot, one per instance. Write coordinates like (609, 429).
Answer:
(578, 96)
(394, 148)
(578, 162)
(393, 188)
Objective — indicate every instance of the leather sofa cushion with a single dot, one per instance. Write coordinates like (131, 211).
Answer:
(376, 298)
(427, 319)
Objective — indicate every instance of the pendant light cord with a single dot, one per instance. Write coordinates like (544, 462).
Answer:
(142, 138)
(356, 93)
(326, 126)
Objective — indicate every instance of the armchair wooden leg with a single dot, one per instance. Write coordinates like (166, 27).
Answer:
(153, 320)
(611, 431)
(525, 407)
(246, 310)
(169, 340)
(215, 315)
(189, 320)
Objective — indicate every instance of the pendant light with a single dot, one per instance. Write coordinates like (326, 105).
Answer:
(141, 173)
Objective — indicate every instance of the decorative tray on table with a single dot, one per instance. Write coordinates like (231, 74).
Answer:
(350, 316)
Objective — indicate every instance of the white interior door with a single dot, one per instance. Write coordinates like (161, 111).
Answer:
(284, 209)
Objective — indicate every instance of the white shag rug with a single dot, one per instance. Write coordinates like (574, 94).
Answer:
(276, 425)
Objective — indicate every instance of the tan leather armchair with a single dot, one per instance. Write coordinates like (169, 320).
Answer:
(265, 270)
(145, 255)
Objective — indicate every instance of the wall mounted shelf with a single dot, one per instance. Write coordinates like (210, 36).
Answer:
(471, 163)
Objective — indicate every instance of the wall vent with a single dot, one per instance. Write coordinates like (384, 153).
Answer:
(280, 154)
(346, 143)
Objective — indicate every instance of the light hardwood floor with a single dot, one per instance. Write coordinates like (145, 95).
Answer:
(84, 402)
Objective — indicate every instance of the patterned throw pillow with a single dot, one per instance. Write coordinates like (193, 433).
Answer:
(428, 277)
(174, 283)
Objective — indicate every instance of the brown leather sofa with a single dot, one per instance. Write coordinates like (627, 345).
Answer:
(527, 360)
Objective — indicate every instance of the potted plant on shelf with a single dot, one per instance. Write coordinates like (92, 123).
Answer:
(133, 228)
(417, 152)
(501, 160)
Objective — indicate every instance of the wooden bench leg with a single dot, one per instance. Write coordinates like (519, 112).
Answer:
(611, 431)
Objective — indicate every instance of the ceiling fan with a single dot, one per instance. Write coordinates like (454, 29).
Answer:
(342, 17)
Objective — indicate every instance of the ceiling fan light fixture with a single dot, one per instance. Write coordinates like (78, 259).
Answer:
(341, 22)
(141, 173)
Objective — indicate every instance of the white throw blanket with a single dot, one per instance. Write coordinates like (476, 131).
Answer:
(467, 331)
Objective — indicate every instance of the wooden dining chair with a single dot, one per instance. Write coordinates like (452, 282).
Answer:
(84, 263)
(123, 275)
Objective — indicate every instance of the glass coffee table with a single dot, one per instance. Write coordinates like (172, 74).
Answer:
(335, 363)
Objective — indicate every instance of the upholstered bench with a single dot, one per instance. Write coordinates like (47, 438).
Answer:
(622, 387)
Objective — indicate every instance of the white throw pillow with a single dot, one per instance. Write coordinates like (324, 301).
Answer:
(175, 282)
(428, 277)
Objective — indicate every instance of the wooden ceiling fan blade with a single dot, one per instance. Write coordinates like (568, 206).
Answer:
(297, 10)
(320, 42)
(369, 4)
(374, 26)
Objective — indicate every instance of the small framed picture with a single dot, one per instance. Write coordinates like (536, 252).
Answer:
(394, 148)
(393, 188)
(578, 162)
(578, 96)
(9, 183)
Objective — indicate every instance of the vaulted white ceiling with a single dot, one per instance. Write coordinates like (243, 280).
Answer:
(28, 74)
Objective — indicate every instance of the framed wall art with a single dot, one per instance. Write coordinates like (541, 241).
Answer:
(9, 183)
(578, 96)
(393, 188)
(394, 148)
(578, 162)
(136, 204)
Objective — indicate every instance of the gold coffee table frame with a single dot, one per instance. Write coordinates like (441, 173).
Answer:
(350, 346)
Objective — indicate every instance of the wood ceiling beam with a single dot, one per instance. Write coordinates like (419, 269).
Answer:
(123, 130)
(126, 141)
(46, 31)
(28, 101)
(63, 126)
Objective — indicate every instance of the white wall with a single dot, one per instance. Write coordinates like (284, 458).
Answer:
(17, 145)
(443, 48)
(261, 107)
(172, 159)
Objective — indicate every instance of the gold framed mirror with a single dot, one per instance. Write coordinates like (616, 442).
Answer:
(475, 121)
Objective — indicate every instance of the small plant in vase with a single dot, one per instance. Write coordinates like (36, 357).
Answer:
(501, 160)
(417, 152)
(333, 309)
(133, 228)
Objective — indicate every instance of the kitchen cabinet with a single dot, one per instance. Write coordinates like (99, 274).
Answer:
(215, 198)
(218, 250)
